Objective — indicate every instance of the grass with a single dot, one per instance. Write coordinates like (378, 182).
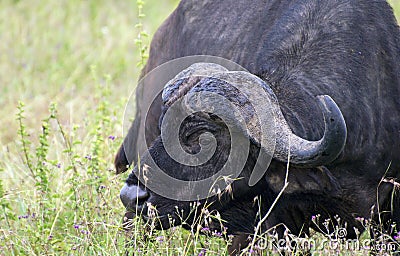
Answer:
(66, 68)
(396, 7)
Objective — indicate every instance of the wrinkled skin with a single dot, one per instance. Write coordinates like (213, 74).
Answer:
(349, 50)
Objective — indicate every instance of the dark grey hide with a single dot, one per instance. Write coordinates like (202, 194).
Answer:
(347, 49)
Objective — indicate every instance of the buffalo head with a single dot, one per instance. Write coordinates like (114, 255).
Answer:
(228, 130)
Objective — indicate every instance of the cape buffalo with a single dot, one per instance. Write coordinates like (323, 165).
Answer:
(315, 58)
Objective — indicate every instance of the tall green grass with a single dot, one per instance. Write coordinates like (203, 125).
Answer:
(66, 68)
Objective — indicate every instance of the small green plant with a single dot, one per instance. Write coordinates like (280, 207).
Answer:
(142, 46)
(24, 138)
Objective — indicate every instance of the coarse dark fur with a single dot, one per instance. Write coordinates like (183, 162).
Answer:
(348, 49)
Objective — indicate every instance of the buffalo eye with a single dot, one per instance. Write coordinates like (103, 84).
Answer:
(196, 134)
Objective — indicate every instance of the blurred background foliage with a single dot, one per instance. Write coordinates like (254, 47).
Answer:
(48, 47)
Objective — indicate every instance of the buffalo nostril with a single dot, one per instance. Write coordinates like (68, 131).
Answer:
(133, 195)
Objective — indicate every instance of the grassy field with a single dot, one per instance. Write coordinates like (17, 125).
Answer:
(66, 71)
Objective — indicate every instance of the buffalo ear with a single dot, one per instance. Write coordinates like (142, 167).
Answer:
(121, 162)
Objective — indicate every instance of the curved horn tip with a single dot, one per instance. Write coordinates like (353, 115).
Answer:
(305, 153)
(331, 111)
(335, 125)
